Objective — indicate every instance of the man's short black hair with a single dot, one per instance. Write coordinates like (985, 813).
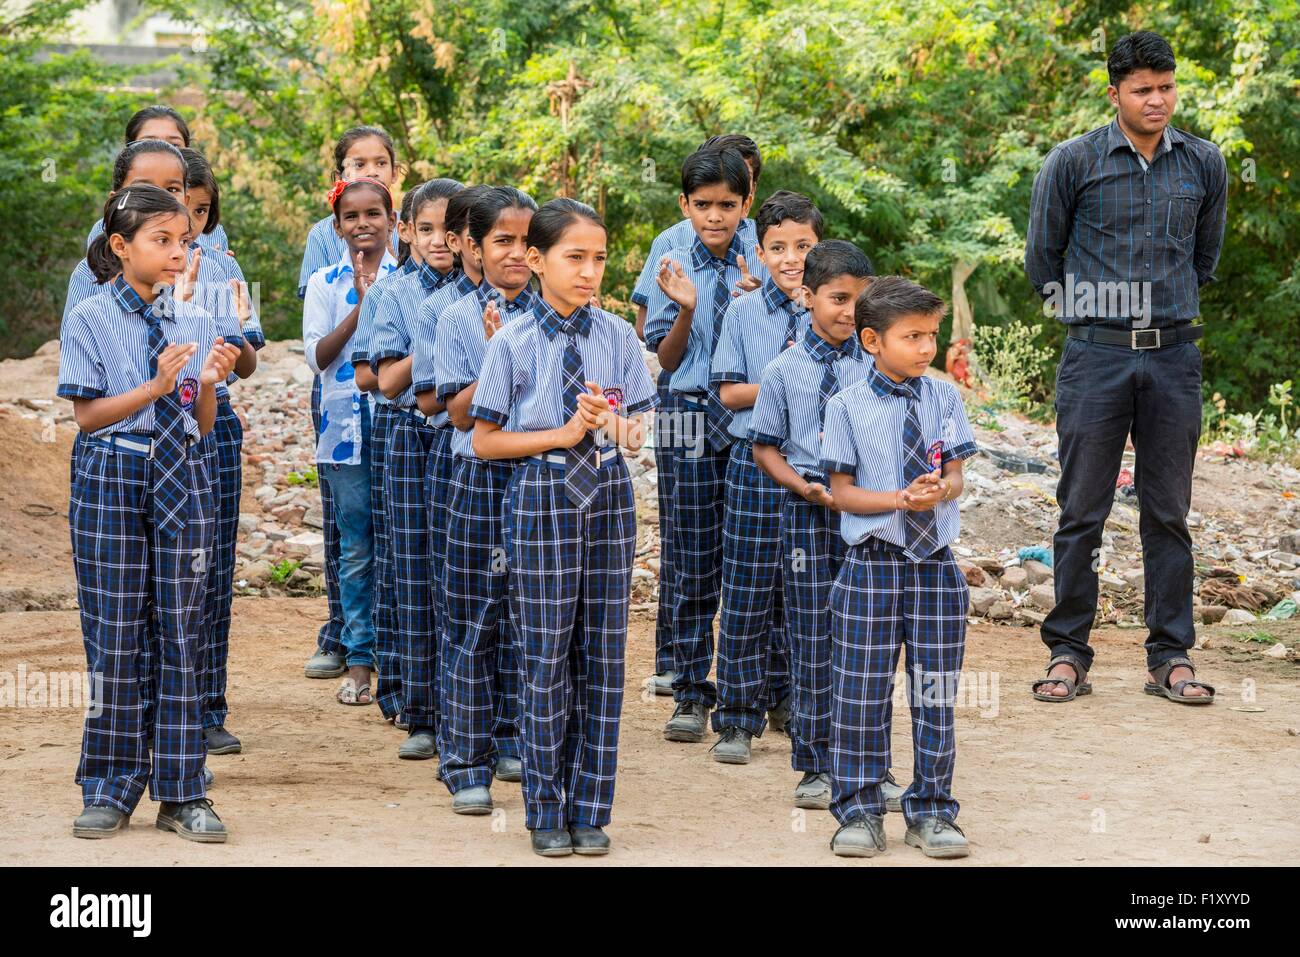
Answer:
(711, 167)
(890, 298)
(783, 205)
(1142, 50)
(832, 258)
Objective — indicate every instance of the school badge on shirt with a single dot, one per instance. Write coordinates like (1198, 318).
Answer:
(189, 392)
(934, 454)
(614, 396)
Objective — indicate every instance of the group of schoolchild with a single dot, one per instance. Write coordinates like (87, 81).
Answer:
(472, 402)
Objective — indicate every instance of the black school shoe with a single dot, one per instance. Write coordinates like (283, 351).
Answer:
(98, 821)
(589, 841)
(554, 842)
(192, 820)
(221, 741)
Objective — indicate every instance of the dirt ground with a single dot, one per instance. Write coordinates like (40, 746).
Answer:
(1118, 778)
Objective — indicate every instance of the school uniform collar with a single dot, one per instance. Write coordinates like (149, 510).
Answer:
(344, 265)
(130, 301)
(521, 303)
(701, 255)
(464, 285)
(884, 386)
(553, 323)
(823, 351)
(430, 278)
(776, 299)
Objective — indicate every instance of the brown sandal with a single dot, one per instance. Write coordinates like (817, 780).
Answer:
(1162, 687)
(1074, 687)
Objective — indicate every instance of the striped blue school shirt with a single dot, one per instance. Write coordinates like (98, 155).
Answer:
(104, 351)
(212, 294)
(863, 437)
(395, 323)
(692, 375)
(214, 240)
(423, 372)
(462, 344)
(755, 330)
(680, 234)
(360, 346)
(787, 413)
(521, 387)
(330, 297)
(324, 248)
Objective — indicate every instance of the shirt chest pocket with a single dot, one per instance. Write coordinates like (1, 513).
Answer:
(1183, 210)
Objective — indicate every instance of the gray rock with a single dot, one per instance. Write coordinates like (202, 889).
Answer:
(1134, 577)
(257, 573)
(247, 524)
(982, 599)
(314, 517)
(1037, 572)
(1044, 596)
(1000, 611)
(1015, 577)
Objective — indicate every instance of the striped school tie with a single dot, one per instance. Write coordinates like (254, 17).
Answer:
(719, 417)
(580, 466)
(794, 314)
(922, 528)
(171, 487)
(830, 380)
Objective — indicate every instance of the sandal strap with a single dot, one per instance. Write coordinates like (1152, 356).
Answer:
(1165, 668)
(1178, 687)
(1080, 672)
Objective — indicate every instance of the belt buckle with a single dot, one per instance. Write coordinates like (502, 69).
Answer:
(1133, 338)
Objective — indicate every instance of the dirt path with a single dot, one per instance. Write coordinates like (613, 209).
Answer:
(1118, 778)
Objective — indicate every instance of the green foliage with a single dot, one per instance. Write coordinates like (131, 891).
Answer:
(917, 126)
(309, 478)
(60, 121)
(1262, 433)
(283, 570)
(1009, 363)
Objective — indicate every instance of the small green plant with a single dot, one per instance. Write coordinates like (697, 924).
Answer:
(309, 478)
(283, 569)
(1264, 433)
(1008, 362)
(1263, 637)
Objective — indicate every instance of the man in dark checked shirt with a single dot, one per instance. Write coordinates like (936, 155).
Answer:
(1125, 225)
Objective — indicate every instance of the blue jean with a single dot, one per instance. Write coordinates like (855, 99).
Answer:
(349, 487)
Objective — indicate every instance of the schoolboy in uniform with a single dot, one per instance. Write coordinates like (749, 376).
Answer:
(753, 665)
(683, 326)
(786, 430)
(893, 447)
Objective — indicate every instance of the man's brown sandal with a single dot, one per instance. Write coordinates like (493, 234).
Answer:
(1074, 687)
(1162, 688)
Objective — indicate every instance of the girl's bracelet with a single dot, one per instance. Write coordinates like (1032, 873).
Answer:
(148, 390)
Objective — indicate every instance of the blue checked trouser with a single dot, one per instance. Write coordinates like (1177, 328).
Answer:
(665, 463)
(388, 651)
(228, 437)
(480, 669)
(437, 480)
(408, 532)
(138, 592)
(881, 602)
(571, 577)
(753, 667)
(698, 489)
(814, 550)
(331, 633)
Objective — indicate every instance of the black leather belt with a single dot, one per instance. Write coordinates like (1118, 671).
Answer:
(1138, 338)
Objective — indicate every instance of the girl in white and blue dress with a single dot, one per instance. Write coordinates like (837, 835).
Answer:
(363, 212)
(141, 368)
(561, 389)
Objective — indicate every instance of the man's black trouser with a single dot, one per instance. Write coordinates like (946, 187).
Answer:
(1104, 393)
